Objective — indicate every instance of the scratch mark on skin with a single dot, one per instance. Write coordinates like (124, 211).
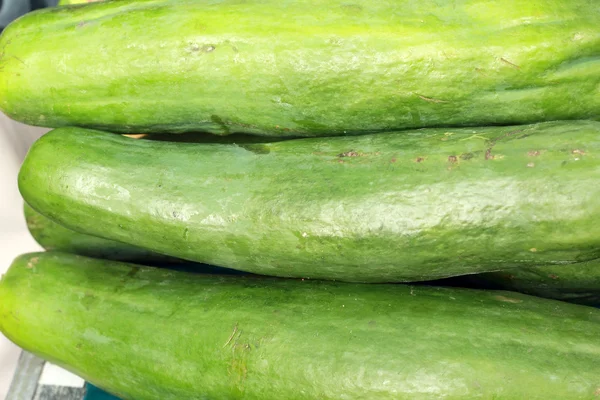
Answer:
(17, 58)
(235, 328)
(481, 71)
(508, 299)
(431, 100)
(488, 152)
(504, 60)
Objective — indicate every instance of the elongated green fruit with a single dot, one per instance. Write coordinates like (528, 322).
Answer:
(145, 334)
(577, 283)
(417, 206)
(310, 67)
(53, 236)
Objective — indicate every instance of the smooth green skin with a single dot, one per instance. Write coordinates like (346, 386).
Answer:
(53, 236)
(310, 67)
(145, 334)
(577, 283)
(427, 204)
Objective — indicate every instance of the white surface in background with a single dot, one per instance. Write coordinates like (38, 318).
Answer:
(54, 375)
(15, 139)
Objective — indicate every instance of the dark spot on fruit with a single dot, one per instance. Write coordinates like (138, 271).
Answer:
(488, 154)
(175, 214)
(420, 159)
(372, 323)
(533, 153)
(452, 159)
(393, 160)
(208, 48)
(553, 276)
(466, 156)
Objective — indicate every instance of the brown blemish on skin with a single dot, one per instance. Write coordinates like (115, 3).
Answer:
(553, 276)
(393, 160)
(576, 151)
(504, 60)
(597, 392)
(420, 159)
(452, 159)
(488, 154)
(466, 156)
(349, 153)
(533, 153)
(507, 299)
(32, 262)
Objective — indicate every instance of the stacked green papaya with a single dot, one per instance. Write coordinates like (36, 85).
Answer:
(309, 185)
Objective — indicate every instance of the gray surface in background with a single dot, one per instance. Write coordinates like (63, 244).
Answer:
(24, 384)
